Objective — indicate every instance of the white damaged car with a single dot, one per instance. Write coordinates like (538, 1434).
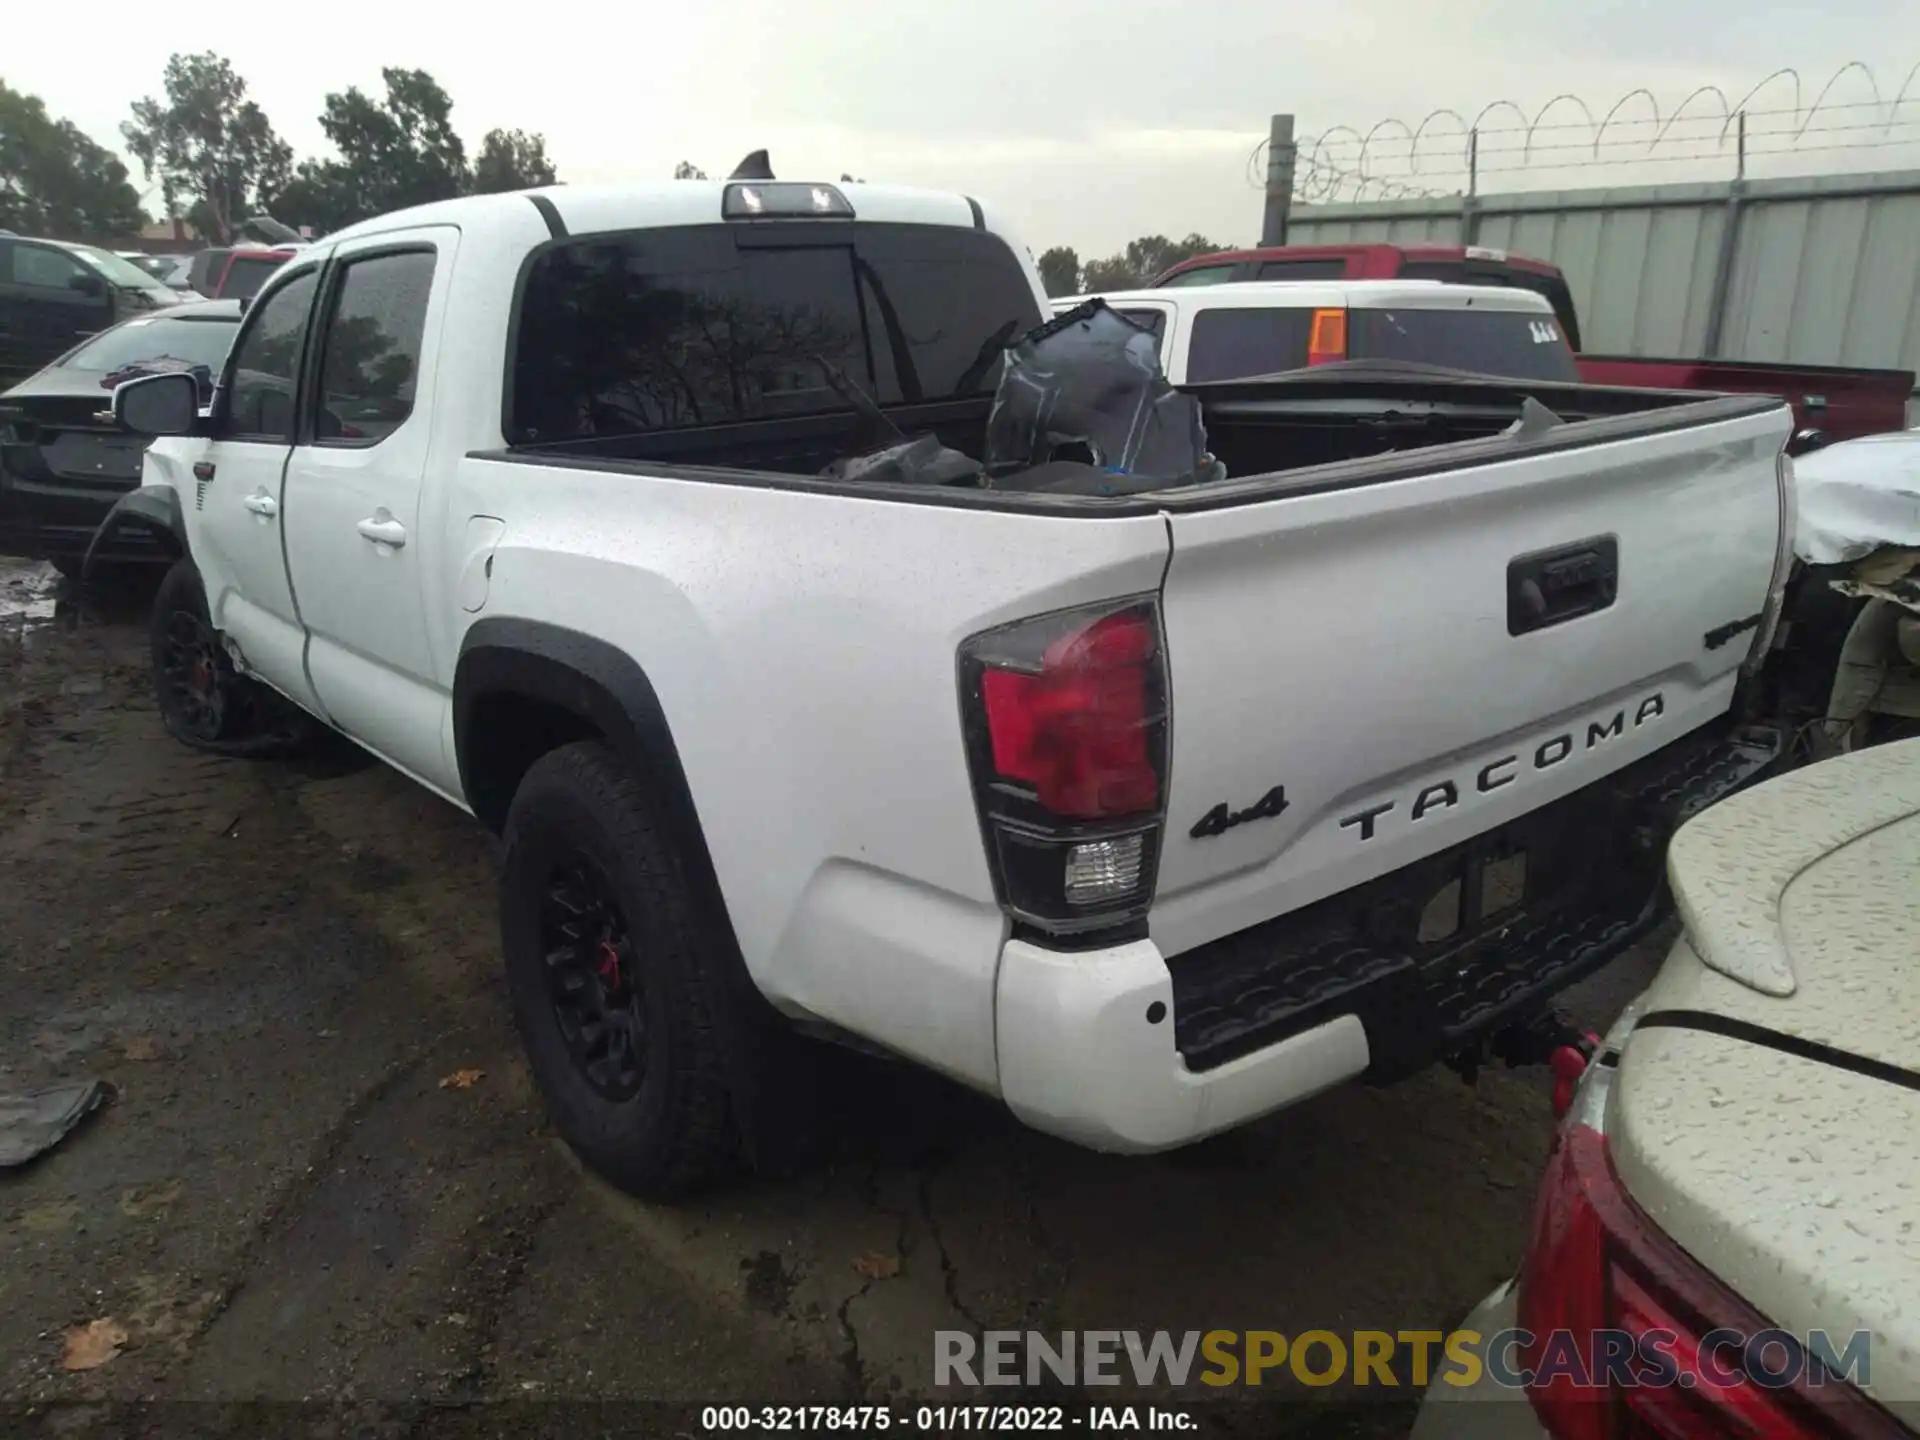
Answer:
(1727, 1237)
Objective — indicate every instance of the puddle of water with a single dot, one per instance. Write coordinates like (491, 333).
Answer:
(29, 591)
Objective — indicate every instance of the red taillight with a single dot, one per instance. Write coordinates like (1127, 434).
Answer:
(1596, 1264)
(1077, 730)
(1327, 340)
(1066, 738)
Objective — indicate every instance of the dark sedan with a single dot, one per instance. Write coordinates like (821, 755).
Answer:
(64, 460)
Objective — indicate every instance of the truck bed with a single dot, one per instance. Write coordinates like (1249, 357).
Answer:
(1338, 425)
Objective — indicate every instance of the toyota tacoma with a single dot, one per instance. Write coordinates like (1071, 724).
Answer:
(747, 556)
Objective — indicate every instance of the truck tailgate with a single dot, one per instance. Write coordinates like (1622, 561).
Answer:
(1354, 643)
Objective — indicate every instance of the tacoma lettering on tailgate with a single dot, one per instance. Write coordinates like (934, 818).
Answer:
(1497, 774)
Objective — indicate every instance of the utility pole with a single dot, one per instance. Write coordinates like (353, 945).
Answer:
(1280, 160)
(1721, 296)
(1470, 202)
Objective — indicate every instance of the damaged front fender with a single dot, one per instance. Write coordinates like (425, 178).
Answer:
(154, 507)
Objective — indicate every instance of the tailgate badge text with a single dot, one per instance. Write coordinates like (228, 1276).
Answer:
(1222, 817)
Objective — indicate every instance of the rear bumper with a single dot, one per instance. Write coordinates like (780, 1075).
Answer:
(49, 519)
(1437, 956)
(1123, 1049)
(1083, 1056)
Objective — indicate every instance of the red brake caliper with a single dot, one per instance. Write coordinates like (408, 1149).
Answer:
(609, 967)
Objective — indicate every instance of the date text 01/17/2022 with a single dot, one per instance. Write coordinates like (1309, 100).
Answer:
(944, 1419)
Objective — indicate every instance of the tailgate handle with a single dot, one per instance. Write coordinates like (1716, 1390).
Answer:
(1550, 587)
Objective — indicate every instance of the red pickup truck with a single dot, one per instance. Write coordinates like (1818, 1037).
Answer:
(1840, 402)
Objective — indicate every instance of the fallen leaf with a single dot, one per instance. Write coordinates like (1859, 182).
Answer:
(91, 1345)
(876, 1266)
(461, 1079)
(139, 1048)
(149, 1199)
(48, 1219)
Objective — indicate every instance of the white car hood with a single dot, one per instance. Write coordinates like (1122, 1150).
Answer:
(1854, 497)
(1767, 1114)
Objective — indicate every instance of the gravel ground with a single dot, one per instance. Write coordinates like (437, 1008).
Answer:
(294, 1203)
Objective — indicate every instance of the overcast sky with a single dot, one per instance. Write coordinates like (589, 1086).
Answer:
(1089, 123)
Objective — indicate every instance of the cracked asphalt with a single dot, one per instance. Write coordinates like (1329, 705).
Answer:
(294, 1199)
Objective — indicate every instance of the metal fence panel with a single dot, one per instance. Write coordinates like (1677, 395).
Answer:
(1824, 270)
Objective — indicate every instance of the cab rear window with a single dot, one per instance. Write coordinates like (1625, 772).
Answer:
(1513, 344)
(695, 326)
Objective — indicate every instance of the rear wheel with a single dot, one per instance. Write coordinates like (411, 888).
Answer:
(614, 976)
(203, 701)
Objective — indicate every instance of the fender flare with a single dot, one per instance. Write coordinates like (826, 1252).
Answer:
(155, 507)
(606, 687)
(579, 673)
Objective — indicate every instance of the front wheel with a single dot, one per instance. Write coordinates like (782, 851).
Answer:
(615, 977)
(203, 701)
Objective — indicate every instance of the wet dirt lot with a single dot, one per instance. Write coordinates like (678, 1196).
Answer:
(304, 1192)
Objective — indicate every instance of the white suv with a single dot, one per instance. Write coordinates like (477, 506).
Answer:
(1233, 332)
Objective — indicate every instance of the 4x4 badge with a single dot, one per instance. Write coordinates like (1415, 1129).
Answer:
(1222, 818)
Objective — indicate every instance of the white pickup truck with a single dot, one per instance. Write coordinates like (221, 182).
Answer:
(1148, 813)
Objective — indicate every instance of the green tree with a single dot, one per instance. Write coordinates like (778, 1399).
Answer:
(512, 160)
(55, 180)
(1060, 270)
(394, 152)
(1142, 261)
(210, 146)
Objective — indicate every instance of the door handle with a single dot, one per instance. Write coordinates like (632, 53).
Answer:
(261, 503)
(383, 529)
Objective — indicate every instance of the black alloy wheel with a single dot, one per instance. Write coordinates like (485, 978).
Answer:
(193, 676)
(204, 700)
(593, 980)
(616, 975)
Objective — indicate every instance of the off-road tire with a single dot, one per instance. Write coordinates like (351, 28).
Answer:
(249, 719)
(676, 1133)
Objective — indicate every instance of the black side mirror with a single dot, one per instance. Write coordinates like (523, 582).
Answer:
(87, 284)
(1805, 442)
(158, 404)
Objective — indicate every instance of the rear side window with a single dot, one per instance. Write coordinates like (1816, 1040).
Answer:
(370, 351)
(1514, 344)
(1234, 344)
(1152, 321)
(1201, 275)
(682, 327)
(1551, 288)
(1303, 270)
